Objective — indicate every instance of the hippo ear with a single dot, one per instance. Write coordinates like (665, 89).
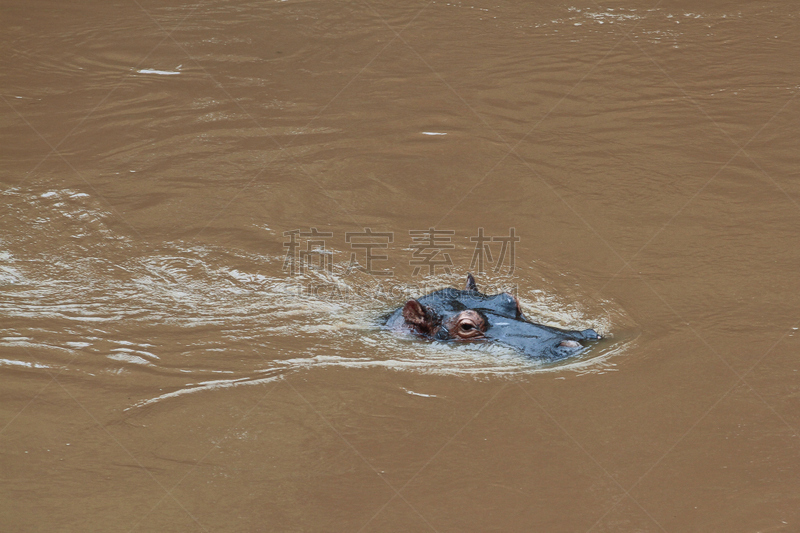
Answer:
(418, 317)
(471, 285)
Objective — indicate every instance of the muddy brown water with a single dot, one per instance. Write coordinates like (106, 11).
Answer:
(161, 369)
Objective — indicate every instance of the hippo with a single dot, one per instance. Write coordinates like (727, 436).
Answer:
(470, 316)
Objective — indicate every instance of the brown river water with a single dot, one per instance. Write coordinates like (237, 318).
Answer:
(191, 332)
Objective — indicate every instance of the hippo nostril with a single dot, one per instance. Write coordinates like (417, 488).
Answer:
(590, 334)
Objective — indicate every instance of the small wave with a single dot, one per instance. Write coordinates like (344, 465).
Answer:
(26, 364)
(159, 72)
(206, 386)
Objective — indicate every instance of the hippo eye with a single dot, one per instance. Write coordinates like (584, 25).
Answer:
(467, 329)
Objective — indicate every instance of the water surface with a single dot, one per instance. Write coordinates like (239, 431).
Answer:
(163, 370)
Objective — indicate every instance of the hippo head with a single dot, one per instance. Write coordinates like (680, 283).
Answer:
(470, 316)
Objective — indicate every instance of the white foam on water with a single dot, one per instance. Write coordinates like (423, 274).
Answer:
(158, 72)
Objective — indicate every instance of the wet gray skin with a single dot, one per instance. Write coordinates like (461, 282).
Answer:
(470, 316)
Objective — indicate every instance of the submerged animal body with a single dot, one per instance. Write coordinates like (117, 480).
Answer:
(470, 316)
